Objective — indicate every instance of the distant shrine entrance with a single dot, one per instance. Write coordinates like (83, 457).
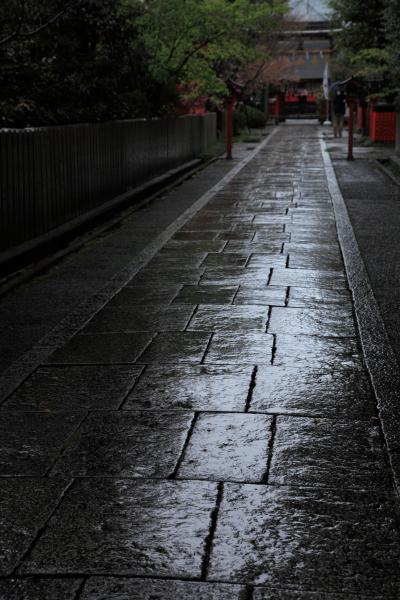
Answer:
(306, 47)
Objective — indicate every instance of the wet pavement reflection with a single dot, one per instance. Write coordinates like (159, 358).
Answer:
(302, 538)
(211, 431)
(129, 527)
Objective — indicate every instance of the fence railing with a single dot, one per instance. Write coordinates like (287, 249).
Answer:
(51, 175)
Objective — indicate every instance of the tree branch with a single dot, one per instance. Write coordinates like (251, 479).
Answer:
(195, 50)
(19, 33)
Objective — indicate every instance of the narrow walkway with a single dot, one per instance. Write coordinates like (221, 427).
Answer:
(211, 432)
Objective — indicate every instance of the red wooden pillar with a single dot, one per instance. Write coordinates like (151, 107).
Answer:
(281, 107)
(351, 130)
(229, 128)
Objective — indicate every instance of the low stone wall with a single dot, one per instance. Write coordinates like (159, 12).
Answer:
(50, 176)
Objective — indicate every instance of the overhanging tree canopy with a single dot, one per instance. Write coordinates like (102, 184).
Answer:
(361, 42)
(392, 28)
(208, 41)
(95, 60)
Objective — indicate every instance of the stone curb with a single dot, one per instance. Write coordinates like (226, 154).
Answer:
(378, 353)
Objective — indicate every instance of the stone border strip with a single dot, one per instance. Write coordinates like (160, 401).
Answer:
(16, 373)
(379, 356)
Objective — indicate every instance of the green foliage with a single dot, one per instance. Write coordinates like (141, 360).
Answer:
(205, 41)
(361, 22)
(88, 65)
(65, 61)
(248, 116)
(361, 41)
(255, 117)
(370, 63)
(369, 43)
(392, 27)
(239, 121)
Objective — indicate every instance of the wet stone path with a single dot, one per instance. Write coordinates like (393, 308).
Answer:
(211, 433)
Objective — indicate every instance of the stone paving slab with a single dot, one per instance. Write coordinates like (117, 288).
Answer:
(301, 236)
(274, 207)
(317, 352)
(268, 247)
(316, 297)
(240, 348)
(111, 588)
(195, 236)
(264, 237)
(303, 539)
(265, 261)
(309, 278)
(25, 505)
(200, 388)
(314, 392)
(126, 444)
(330, 453)
(333, 321)
(207, 225)
(268, 219)
(325, 249)
(216, 448)
(185, 347)
(312, 221)
(262, 232)
(108, 348)
(302, 260)
(192, 243)
(237, 236)
(206, 294)
(234, 218)
(39, 589)
(31, 442)
(76, 387)
(230, 259)
(147, 318)
(238, 276)
(322, 210)
(175, 260)
(229, 318)
(127, 527)
(263, 296)
(145, 295)
(176, 276)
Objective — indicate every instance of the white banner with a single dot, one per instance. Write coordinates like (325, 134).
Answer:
(325, 83)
